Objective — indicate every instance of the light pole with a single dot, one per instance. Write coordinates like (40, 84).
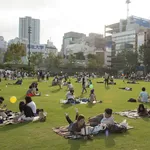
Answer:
(29, 52)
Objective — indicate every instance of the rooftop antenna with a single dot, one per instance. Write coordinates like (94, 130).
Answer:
(128, 2)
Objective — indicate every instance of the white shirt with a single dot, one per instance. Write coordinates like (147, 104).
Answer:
(108, 121)
(69, 96)
(70, 86)
(32, 105)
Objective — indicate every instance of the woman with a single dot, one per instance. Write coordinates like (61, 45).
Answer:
(26, 110)
(31, 104)
(92, 97)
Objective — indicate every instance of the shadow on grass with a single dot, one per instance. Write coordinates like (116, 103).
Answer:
(75, 144)
(109, 141)
(65, 106)
(12, 126)
(107, 87)
(90, 105)
(55, 91)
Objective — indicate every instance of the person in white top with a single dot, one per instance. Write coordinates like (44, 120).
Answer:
(107, 117)
(31, 104)
(70, 95)
(70, 86)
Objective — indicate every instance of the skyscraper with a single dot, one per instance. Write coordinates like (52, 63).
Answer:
(24, 24)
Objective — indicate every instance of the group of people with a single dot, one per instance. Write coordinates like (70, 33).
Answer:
(28, 110)
(75, 127)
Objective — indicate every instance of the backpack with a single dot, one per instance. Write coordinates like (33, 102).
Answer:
(132, 100)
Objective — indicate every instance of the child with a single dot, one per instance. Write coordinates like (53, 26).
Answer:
(92, 97)
(143, 97)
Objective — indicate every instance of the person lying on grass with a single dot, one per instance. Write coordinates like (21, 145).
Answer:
(92, 97)
(143, 97)
(76, 126)
(105, 118)
(126, 88)
(142, 111)
(18, 82)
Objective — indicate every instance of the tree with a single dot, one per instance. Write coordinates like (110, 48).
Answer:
(125, 60)
(91, 56)
(95, 61)
(144, 55)
(36, 59)
(15, 52)
(71, 61)
(80, 56)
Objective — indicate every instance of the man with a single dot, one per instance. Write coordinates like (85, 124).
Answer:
(84, 85)
(106, 78)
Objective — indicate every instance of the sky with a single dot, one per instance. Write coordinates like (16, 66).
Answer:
(60, 16)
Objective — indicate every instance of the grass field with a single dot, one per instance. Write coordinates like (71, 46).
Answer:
(39, 136)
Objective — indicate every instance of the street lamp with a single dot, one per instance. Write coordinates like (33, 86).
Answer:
(29, 32)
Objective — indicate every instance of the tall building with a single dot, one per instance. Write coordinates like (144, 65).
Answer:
(24, 24)
(70, 38)
(124, 33)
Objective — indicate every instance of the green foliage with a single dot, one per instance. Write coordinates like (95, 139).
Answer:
(53, 61)
(80, 56)
(71, 61)
(125, 60)
(144, 54)
(36, 59)
(95, 61)
(14, 53)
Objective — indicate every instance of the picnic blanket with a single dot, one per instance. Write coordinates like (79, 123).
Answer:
(129, 113)
(117, 128)
(16, 118)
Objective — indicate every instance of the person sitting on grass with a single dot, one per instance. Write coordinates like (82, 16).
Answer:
(142, 111)
(26, 110)
(18, 82)
(92, 97)
(31, 104)
(70, 97)
(70, 86)
(105, 118)
(2, 108)
(143, 97)
(32, 91)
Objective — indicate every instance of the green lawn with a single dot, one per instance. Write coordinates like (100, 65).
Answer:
(39, 136)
